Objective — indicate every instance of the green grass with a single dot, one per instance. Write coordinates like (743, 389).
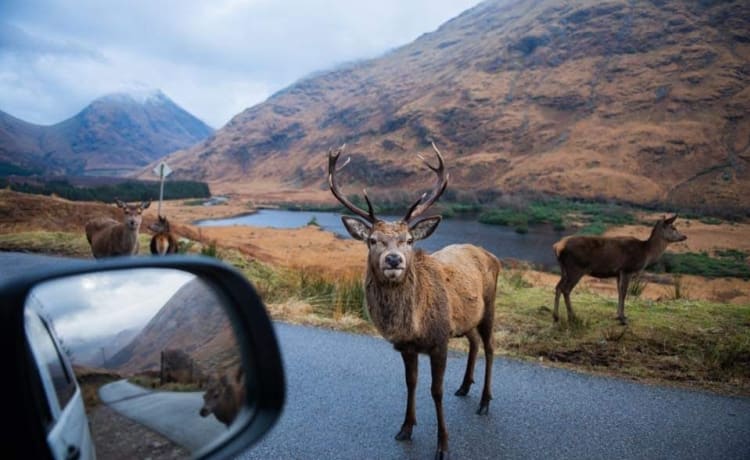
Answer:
(702, 344)
(561, 214)
(730, 263)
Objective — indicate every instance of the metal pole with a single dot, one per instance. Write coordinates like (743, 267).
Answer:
(161, 187)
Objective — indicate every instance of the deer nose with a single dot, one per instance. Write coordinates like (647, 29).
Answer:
(393, 260)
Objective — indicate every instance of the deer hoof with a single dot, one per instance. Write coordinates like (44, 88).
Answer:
(441, 455)
(404, 434)
(463, 391)
(484, 408)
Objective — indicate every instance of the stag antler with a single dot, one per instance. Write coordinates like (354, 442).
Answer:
(332, 159)
(425, 201)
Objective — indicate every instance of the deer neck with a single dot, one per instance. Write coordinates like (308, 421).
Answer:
(393, 307)
(654, 247)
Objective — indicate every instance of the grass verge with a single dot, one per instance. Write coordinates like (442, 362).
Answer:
(677, 341)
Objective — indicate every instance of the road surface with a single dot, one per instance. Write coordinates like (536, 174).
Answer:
(172, 414)
(346, 400)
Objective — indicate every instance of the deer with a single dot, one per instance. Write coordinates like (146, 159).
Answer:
(608, 257)
(224, 396)
(108, 237)
(163, 242)
(418, 301)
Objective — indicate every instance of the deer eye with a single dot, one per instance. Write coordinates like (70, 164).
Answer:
(410, 241)
(372, 241)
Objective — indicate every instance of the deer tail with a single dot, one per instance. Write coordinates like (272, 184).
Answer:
(559, 247)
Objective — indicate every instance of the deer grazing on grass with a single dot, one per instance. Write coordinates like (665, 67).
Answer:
(109, 237)
(419, 301)
(607, 257)
(163, 242)
(224, 396)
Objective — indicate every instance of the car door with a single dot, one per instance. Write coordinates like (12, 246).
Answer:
(67, 426)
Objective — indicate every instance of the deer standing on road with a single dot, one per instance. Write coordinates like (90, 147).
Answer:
(607, 257)
(109, 237)
(224, 396)
(419, 301)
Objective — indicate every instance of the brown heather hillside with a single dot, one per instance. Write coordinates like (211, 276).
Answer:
(640, 101)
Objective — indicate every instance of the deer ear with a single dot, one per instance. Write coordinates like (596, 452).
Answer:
(145, 204)
(424, 228)
(670, 220)
(119, 203)
(357, 228)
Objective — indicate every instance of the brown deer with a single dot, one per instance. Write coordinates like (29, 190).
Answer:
(418, 301)
(109, 237)
(607, 257)
(224, 396)
(163, 242)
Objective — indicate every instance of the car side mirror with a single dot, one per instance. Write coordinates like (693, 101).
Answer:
(181, 346)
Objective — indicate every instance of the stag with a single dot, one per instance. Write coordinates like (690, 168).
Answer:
(109, 237)
(418, 301)
(224, 396)
(163, 242)
(608, 257)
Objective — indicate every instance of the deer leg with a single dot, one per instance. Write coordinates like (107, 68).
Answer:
(558, 291)
(473, 337)
(623, 280)
(438, 358)
(411, 368)
(570, 282)
(485, 330)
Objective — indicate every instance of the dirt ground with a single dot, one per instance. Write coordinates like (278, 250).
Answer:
(118, 438)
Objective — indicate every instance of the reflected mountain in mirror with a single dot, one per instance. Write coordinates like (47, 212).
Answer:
(151, 348)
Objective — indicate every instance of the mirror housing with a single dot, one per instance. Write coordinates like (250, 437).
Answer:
(259, 349)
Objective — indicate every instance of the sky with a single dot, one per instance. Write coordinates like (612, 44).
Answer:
(213, 58)
(101, 305)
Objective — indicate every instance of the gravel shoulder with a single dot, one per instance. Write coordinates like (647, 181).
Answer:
(119, 438)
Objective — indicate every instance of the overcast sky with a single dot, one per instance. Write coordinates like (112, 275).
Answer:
(214, 58)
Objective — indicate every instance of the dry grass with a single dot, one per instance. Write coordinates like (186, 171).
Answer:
(699, 338)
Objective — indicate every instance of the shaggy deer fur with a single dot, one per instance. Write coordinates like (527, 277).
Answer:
(109, 237)
(163, 242)
(224, 396)
(419, 301)
(607, 257)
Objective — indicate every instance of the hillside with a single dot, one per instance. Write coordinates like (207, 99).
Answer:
(193, 320)
(114, 135)
(645, 102)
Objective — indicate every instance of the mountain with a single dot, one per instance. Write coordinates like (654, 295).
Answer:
(193, 321)
(645, 102)
(114, 135)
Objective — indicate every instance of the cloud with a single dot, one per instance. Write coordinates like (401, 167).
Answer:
(213, 58)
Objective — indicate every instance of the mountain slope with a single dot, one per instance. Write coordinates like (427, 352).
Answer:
(113, 135)
(194, 321)
(640, 101)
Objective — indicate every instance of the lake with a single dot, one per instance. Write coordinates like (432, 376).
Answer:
(534, 246)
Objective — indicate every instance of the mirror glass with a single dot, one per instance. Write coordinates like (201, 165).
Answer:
(154, 355)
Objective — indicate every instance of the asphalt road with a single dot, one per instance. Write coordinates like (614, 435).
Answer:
(346, 400)
(174, 415)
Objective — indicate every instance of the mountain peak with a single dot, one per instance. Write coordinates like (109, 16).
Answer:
(140, 96)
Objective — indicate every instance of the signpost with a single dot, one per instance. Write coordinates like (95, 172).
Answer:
(162, 170)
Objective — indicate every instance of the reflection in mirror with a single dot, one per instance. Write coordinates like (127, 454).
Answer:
(154, 353)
